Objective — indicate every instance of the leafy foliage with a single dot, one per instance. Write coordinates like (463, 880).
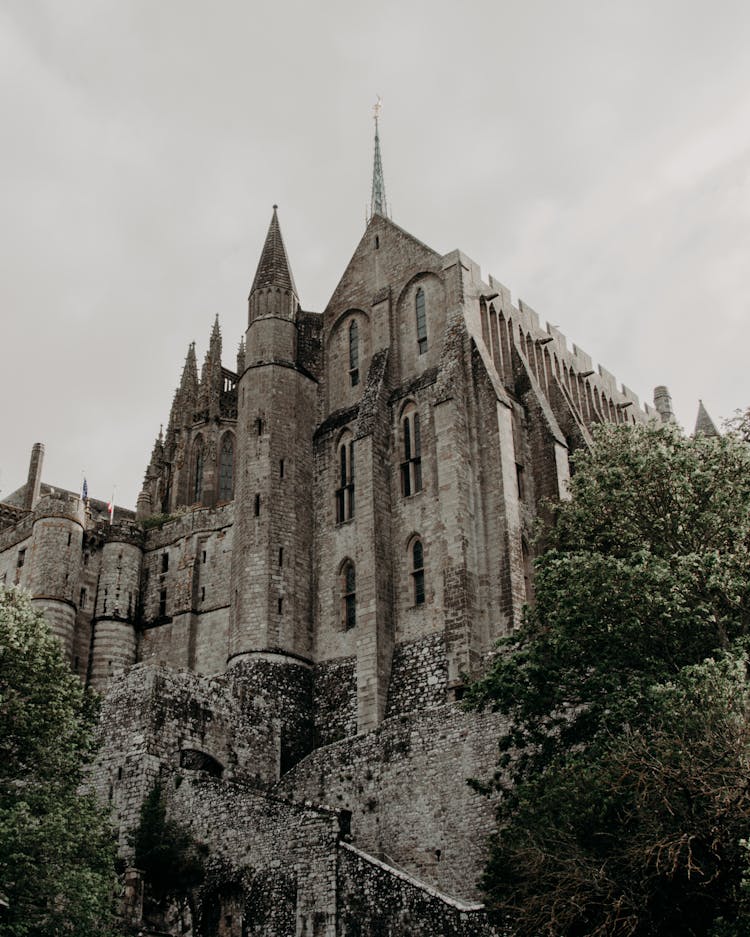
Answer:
(165, 851)
(57, 851)
(625, 763)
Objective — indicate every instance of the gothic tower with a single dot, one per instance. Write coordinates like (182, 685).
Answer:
(271, 605)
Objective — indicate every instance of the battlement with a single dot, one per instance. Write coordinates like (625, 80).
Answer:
(529, 331)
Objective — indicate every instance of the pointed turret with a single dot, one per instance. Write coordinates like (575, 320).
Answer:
(187, 396)
(241, 357)
(215, 340)
(703, 423)
(209, 389)
(378, 205)
(273, 292)
(157, 453)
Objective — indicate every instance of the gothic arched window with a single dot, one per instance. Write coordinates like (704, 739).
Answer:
(417, 571)
(348, 596)
(419, 308)
(226, 468)
(411, 452)
(354, 352)
(345, 479)
(197, 490)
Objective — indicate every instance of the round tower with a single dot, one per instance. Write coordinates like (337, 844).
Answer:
(271, 590)
(114, 638)
(663, 404)
(55, 563)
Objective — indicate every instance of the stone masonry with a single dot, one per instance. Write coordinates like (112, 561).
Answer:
(333, 533)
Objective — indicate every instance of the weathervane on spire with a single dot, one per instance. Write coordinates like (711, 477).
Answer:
(377, 201)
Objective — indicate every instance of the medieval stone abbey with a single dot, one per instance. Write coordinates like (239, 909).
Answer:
(333, 532)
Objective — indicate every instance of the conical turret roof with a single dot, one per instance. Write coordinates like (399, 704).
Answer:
(703, 423)
(273, 266)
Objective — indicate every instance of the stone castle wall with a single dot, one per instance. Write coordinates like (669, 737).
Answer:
(376, 899)
(186, 591)
(406, 787)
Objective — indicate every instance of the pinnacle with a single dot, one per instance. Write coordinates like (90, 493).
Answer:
(378, 205)
(273, 266)
(703, 423)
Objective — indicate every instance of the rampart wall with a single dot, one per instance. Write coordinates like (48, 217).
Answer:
(406, 787)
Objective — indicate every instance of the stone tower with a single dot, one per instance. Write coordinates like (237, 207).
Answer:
(271, 589)
(270, 613)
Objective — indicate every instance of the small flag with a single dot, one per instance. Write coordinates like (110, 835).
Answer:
(111, 507)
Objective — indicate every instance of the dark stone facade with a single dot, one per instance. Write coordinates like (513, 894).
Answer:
(331, 537)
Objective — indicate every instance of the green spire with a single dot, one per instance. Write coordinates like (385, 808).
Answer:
(378, 205)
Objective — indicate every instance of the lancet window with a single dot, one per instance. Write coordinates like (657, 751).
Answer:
(226, 468)
(348, 596)
(417, 571)
(197, 491)
(354, 353)
(419, 308)
(411, 452)
(345, 479)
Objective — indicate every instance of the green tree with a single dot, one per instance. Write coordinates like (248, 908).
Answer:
(57, 851)
(624, 767)
(165, 851)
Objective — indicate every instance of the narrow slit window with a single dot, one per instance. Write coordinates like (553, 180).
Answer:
(419, 306)
(348, 596)
(354, 353)
(162, 603)
(257, 505)
(417, 554)
(198, 472)
(520, 481)
(281, 468)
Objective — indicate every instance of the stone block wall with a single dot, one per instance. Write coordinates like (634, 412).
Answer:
(419, 675)
(335, 700)
(151, 715)
(277, 842)
(378, 901)
(406, 787)
(186, 571)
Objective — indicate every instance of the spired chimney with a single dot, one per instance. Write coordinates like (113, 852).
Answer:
(34, 481)
(663, 404)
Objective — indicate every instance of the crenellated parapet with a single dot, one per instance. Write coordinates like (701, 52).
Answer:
(592, 392)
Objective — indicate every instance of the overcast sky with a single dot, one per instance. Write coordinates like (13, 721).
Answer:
(593, 156)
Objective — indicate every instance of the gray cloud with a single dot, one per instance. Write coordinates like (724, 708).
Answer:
(593, 156)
